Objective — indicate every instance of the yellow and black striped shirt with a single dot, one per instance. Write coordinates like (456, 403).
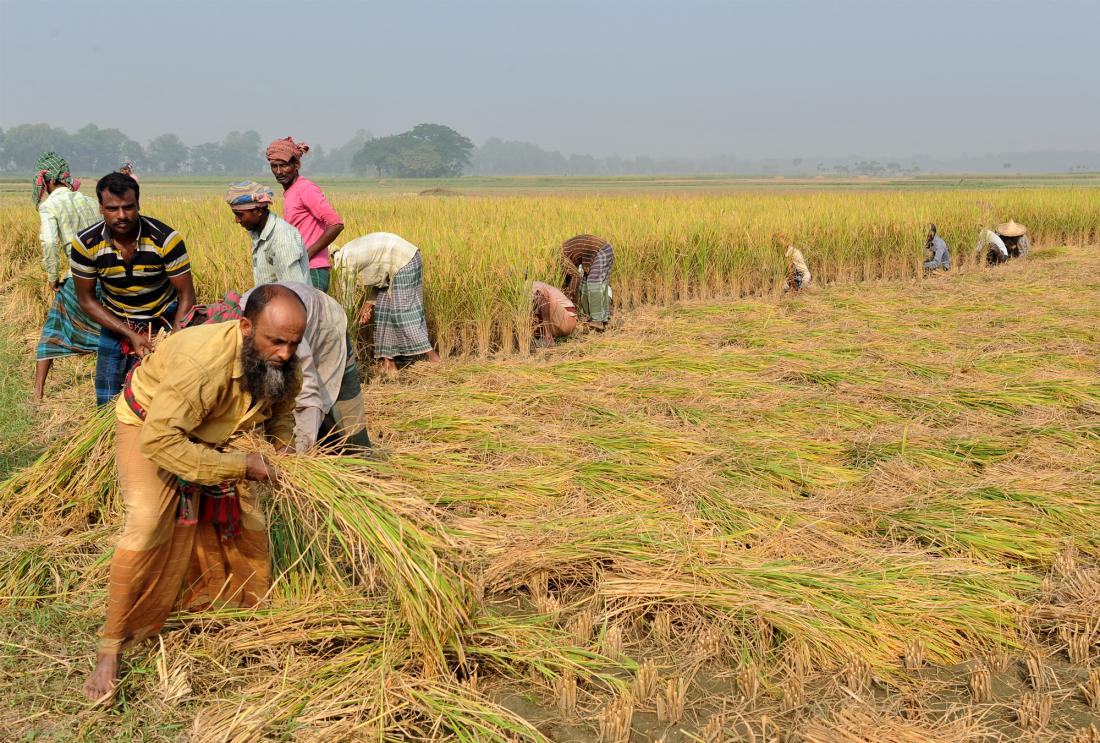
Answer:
(139, 290)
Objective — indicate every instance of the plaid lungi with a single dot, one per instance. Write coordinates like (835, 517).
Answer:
(595, 294)
(68, 330)
(400, 325)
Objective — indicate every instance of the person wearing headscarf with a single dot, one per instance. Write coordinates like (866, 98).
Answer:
(798, 272)
(62, 213)
(305, 207)
(278, 253)
(555, 316)
(941, 256)
(587, 261)
(391, 269)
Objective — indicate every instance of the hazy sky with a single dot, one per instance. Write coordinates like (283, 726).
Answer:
(782, 78)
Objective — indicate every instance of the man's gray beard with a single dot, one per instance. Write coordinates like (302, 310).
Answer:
(266, 380)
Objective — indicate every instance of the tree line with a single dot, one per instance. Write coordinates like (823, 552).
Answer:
(425, 151)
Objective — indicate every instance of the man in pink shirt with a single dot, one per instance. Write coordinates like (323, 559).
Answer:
(305, 207)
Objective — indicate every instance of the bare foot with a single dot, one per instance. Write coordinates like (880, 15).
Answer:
(388, 366)
(101, 684)
(433, 357)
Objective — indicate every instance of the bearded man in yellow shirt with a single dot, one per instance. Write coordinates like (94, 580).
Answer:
(192, 536)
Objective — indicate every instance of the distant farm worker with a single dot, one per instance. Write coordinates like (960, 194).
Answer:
(142, 267)
(1015, 238)
(554, 314)
(941, 256)
(193, 537)
(391, 269)
(278, 253)
(329, 407)
(62, 213)
(305, 207)
(798, 272)
(587, 261)
(127, 168)
(990, 243)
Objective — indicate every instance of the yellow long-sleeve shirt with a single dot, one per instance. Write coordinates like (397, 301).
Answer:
(192, 390)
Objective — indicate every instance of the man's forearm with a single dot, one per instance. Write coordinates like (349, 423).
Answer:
(327, 237)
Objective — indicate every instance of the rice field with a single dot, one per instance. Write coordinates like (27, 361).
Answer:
(864, 513)
(481, 252)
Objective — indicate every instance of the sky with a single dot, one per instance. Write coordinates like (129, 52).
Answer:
(680, 78)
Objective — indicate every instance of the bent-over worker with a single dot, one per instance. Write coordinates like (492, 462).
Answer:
(941, 256)
(587, 261)
(329, 407)
(191, 537)
(554, 315)
(392, 271)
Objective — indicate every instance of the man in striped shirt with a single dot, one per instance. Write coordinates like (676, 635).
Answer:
(278, 253)
(143, 269)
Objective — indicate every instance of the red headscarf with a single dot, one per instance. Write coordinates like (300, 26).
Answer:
(286, 149)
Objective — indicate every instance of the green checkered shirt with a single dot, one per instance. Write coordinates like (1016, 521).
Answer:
(278, 253)
(62, 215)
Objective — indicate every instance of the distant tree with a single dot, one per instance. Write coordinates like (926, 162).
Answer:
(166, 154)
(339, 159)
(101, 151)
(380, 154)
(25, 142)
(451, 149)
(1006, 166)
(425, 151)
(797, 162)
(498, 157)
(242, 154)
(206, 159)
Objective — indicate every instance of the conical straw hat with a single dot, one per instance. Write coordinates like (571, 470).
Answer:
(1011, 229)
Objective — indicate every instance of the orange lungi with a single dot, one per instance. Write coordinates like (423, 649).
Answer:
(161, 564)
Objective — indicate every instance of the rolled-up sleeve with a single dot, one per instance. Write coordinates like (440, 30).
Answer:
(318, 204)
(181, 405)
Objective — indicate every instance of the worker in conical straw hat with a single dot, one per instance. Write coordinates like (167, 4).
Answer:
(1015, 238)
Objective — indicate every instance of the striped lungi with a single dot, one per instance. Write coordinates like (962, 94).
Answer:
(400, 325)
(68, 330)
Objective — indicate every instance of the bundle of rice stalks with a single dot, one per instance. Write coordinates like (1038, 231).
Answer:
(71, 484)
(44, 565)
(346, 524)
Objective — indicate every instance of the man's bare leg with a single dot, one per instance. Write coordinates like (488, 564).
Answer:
(41, 371)
(388, 366)
(104, 677)
(433, 357)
